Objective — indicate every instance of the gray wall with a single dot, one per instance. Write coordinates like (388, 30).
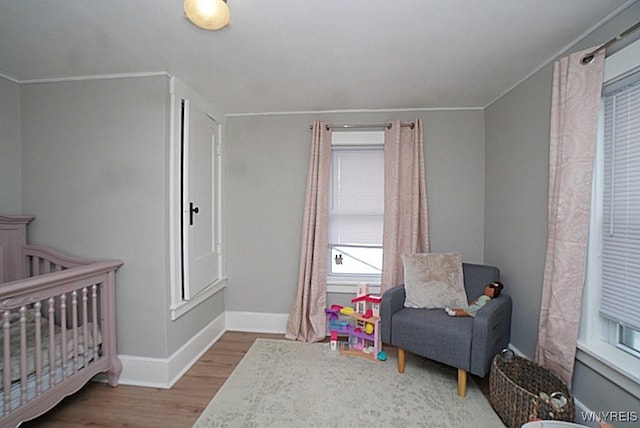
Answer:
(517, 156)
(517, 147)
(10, 163)
(95, 175)
(267, 161)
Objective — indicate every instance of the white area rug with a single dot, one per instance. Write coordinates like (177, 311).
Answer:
(282, 383)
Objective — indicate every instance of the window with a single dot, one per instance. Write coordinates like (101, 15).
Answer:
(356, 205)
(629, 339)
(621, 211)
(609, 340)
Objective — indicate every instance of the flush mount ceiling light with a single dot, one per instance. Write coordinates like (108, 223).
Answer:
(207, 14)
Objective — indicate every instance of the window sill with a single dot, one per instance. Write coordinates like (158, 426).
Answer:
(348, 286)
(614, 364)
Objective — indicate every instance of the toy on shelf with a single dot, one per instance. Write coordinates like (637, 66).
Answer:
(334, 341)
(362, 326)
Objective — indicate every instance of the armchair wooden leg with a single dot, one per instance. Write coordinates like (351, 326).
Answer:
(401, 360)
(462, 383)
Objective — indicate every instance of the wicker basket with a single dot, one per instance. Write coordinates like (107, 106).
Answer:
(520, 390)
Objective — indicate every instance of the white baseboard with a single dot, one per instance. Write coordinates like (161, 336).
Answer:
(256, 322)
(164, 372)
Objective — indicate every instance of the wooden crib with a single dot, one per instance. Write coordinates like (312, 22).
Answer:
(57, 317)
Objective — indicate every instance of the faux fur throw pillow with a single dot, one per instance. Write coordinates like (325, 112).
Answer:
(433, 280)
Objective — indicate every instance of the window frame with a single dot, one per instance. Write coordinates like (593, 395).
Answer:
(341, 282)
(599, 338)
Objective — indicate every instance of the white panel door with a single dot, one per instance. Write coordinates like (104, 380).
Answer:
(200, 258)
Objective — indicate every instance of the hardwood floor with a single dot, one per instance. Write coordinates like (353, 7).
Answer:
(98, 405)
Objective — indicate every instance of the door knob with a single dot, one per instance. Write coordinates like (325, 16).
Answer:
(192, 210)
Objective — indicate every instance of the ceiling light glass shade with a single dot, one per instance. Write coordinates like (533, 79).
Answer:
(207, 14)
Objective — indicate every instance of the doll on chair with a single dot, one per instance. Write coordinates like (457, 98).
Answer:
(490, 291)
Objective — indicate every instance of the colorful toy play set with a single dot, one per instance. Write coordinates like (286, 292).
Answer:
(361, 326)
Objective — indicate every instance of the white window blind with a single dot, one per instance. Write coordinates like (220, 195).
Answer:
(620, 298)
(357, 196)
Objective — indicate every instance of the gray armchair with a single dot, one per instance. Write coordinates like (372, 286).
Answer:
(467, 343)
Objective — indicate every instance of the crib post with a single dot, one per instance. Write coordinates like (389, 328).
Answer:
(94, 315)
(13, 236)
(109, 304)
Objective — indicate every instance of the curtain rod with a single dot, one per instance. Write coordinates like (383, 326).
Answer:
(588, 58)
(363, 126)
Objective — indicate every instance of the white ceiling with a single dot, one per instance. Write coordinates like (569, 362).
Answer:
(303, 55)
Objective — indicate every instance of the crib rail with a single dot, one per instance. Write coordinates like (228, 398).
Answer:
(40, 259)
(58, 331)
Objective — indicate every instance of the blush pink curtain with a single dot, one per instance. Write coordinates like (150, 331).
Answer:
(406, 228)
(576, 96)
(307, 318)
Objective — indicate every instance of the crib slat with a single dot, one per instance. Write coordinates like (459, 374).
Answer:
(35, 266)
(23, 354)
(94, 307)
(38, 346)
(52, 344)
(74, 329)
(63, 335)
(6, 330)
(85, 327)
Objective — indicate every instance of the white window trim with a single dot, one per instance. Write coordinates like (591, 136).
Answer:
(341, 283)
(594, 347)
(348, 286)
